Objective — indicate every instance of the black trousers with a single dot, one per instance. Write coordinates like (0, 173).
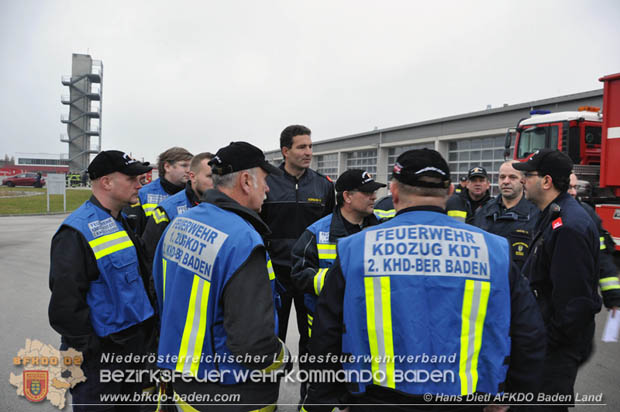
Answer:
(94, 395)
(288, 298)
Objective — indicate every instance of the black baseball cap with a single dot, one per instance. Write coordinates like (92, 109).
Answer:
(412, 165)
(240, 156)
(463, 178)
(547, 162)
(357, 179)
(477, 171)
(110, 161)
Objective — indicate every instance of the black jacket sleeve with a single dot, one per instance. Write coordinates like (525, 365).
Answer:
(528, 337)
(574, 298)
(305, 257)
(249, 313)
(330, 204)
(326, 339)
(151, 236)
(72, 268)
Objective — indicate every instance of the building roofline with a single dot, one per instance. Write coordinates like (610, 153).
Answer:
(479, 113)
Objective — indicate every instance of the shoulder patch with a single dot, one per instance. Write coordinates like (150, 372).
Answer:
(322, 175)
(556, 223)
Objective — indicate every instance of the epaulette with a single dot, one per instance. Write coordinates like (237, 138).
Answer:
(329, 179)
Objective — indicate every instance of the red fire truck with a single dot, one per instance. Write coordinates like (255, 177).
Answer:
(591, 138)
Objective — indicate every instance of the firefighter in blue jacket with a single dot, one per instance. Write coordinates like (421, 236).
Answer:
(216, 294)
(99, 303)
(173, 167)
(200, 180)
(563, 270)
(424, 295)
(315, 251)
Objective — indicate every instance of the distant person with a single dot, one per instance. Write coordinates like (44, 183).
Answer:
(295, 200)
(563, 270)
(462, 184)
(462, 206)
(173, 168)
(608, 282)
(510, 214)
(99, 303)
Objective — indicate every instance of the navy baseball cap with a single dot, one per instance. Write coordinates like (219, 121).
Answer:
(110, 161)
(477, 171)
(357, 179)
(413, 165)
(239, 156)
(547, 162)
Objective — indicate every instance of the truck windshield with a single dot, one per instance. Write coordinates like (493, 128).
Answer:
(536, 138)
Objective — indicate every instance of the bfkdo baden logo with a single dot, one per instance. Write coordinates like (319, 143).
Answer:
(47, 373)
(35, 385)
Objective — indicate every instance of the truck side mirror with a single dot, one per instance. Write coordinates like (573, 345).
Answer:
(508, 142)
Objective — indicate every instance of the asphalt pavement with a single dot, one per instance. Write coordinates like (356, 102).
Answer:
(24, 267)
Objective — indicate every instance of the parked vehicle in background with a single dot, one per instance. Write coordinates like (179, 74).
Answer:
(591, 138)
(24, 179)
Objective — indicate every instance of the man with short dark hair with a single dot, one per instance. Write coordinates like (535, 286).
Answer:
(401, 292)
(315, 250)
(463, 206)
(510, 214)
(173, 167)
(296, 199)
(563, 270)
(216, 295)
(99, 303)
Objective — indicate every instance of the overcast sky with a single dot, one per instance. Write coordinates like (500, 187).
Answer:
(200, 74)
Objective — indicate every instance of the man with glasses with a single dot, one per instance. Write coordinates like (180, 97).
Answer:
(563, 270)
(510, 214)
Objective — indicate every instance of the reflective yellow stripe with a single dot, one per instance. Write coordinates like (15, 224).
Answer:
(385, 213)
(379, 324)
(160, 216)
(319, 279)
(609, 283)
(148, 208)
(185, 407)
(281, 361)
(475, 300)
(164, 264)
(268, 408)
(272, 274)
(602, 240)
(458, 214)
(310, 320)
(194, 330)
(326, 250)
(104, 245)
